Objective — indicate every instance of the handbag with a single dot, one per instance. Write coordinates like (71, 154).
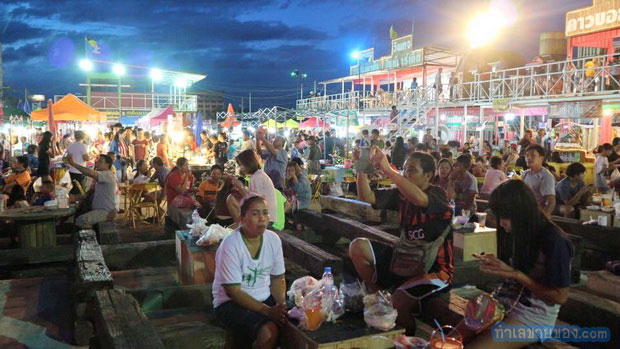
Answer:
(484, 310)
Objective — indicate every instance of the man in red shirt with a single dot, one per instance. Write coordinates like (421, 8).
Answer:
(425, 216)
(139, 146)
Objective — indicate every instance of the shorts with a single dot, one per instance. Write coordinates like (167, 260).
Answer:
(243, 322)
(386, 280)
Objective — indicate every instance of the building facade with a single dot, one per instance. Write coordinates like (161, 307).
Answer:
(209, 102)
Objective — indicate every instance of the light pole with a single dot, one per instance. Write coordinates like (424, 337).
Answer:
(119, 70)
(86, 65)
(296, 74)
(156, 75)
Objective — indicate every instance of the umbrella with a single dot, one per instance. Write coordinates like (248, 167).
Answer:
(229, 122)
(50, 117)
(313, 122)
(290, 123)
(26, 107)
(198, 129)
(231, 110)
(271, 123)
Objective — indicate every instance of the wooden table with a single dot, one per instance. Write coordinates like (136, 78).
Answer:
(195, 264)
(349, 331)
(586, 215)
(36, 225)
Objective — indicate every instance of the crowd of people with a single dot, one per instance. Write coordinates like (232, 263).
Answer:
(249, 178)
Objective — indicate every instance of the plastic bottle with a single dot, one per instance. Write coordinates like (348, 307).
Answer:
(328, 278)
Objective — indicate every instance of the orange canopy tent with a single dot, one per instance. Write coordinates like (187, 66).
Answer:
(70, 108)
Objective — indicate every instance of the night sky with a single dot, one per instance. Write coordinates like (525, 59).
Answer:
(243, 46)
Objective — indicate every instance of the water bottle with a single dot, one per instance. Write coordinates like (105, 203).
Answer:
(328, 277)
(453, 206)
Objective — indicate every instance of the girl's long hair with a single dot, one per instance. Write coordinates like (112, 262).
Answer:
(515, 200)
(46, 139)
(180, 162)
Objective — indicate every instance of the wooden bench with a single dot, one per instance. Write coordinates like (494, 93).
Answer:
(332, 227)
(120, 323)
(108, 233)
(308, 256)
(91, 275)
(351, 207)
(599, 244)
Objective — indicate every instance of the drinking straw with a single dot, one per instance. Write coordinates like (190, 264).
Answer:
(443, 338)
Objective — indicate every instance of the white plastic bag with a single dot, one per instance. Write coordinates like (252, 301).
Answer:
(198, 226)
(615, 175)
(300, 288)
(378, 311)
(213, 235)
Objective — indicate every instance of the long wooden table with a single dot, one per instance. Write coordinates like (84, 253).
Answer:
(36, 225)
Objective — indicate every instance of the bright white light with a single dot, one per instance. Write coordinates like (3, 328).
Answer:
(118, 69)
(272, 130)
(607, 112)
(287, 133)
(355, 55)
(509, 116)
(180, 82)
(251, 129)
(442, 117)
(156, 74)
(485, 27)
(86, 64)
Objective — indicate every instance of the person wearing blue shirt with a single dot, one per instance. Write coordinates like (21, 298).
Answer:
(571, 191)
(276, 156)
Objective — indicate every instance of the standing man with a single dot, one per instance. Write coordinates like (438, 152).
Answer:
(330, 144)
(275, 167)
(78, 152)
(139, 146)
(437, 85)
(374, 139)
(103, 206)
(220, 150)
(539, 178)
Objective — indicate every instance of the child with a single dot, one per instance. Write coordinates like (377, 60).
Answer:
(45, 194)
(601, 167)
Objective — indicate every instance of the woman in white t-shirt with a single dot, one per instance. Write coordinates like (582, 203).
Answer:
(249, 287)
(601, 167)
(260, 184)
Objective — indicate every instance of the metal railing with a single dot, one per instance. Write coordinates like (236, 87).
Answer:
(568, 79)
(140, 101)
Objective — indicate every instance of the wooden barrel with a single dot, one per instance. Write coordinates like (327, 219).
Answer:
(37, 234)
(552, 44)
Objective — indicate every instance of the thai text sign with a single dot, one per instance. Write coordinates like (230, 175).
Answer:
(602, 15)
(575, 110)
(403, 55)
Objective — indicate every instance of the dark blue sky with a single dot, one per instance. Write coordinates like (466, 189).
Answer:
(244, 46)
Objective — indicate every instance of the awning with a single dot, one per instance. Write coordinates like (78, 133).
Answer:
(70, 108)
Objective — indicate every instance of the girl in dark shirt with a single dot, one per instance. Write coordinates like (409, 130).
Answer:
(537, 275)
(45, 152)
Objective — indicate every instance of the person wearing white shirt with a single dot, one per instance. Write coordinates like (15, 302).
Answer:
(79, 153)
(249, 286)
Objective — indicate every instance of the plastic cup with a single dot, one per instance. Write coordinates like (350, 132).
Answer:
(482, 218)
(314, 318)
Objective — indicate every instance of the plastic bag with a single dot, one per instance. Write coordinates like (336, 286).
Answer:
(615, 175)
(198, 226)
(301, 287)
(316, 309)
(378, 311)
(213, 235)
(353, 297)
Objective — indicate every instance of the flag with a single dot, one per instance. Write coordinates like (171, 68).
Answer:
(94, 45)
(393, 33)
(26, 107)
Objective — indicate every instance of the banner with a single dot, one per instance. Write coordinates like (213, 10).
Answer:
(403, 55)
(575, 110)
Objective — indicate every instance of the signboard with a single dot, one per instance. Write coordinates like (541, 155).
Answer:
(501, 104)
(602, 15)
(575, 110)
(403, 55)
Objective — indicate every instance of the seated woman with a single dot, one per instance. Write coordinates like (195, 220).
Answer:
(180, 186)
(442, 179)
(571, 191)
(249, 286)
(495, 175)
(16, 184)
(220, 214)
(142, 172)
(537, 279)
(296, 188)
(260, 184)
